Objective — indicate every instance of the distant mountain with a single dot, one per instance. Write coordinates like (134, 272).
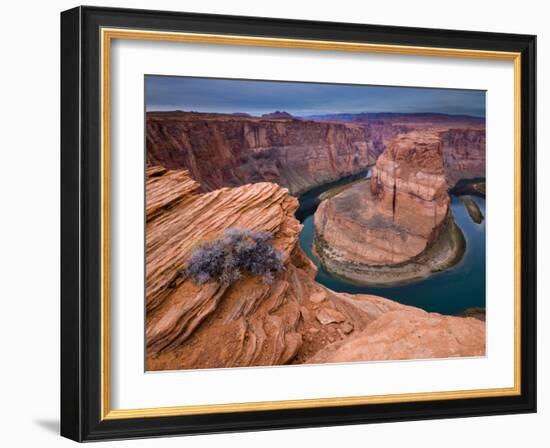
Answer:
(278, 114)
(395, 116)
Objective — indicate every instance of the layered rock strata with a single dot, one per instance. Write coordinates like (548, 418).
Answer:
(463, 154)
(228, 150)
(250, 323)
(223, 150)
(390, 337)
(395, 226)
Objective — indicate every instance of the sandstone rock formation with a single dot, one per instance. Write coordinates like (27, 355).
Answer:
(221, 150)
(380, 230)
(465, 132)
(463, 154)
(292, 320)
(391, 336)
(228, 150)
(278, 114)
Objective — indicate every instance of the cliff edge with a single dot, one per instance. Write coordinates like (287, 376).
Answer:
(250, 323)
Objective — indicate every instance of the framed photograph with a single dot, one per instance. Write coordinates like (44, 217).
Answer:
(276, 224)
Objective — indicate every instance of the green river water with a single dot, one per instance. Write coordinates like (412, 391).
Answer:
(448, 292)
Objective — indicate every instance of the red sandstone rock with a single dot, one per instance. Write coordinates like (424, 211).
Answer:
(318, 297)
(228, 150)
(394, 216)
(248, 323)
(328, 316)
(235, 149)
(251, 323)
(409, 333)
(463, 154)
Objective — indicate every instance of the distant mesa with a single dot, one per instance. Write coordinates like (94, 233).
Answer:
(278, 114)
(241, 114)
(399, 117)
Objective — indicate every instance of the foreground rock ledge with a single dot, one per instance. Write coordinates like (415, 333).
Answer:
(397, 225)
(292, 321)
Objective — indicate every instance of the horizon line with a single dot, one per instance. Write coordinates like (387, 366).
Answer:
(316, 114)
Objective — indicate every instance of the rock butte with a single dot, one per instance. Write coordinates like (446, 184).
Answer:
(228, 150)
(293, 320)
(377, 230)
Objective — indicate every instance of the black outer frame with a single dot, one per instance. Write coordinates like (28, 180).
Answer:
(80, 223)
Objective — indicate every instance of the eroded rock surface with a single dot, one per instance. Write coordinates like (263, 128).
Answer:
(463, 154)
(231, 150)
(251, 323)
(221, 150)
(379, 230)
(409, 333)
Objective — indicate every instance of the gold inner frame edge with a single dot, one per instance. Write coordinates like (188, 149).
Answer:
(107, 35)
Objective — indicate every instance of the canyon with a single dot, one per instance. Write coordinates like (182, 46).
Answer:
(300, 153)
(209, 172)
(228, 150)
(293, 320)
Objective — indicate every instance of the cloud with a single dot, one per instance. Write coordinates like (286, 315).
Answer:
(298, 98)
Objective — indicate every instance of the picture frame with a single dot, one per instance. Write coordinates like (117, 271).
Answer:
(87, 34)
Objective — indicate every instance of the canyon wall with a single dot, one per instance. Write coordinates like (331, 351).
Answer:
(376, 230)
(463, 154)
(249, 323)
(221, 150)
(463, 136)
(228, 150)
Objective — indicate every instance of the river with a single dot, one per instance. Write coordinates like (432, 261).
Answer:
(449, 292)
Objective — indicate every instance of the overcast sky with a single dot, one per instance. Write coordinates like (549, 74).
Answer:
(259, 97)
